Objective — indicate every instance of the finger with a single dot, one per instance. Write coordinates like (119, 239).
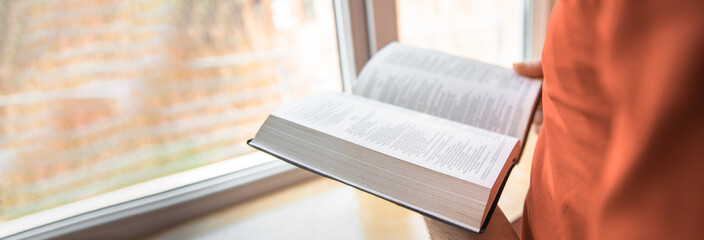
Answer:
(538, 121)
(529, 69)
(538, 117)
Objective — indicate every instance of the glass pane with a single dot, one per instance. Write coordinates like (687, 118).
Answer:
(99, 95)
(489, 31)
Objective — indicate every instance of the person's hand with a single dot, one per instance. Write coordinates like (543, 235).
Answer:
(499, 228)
(533, 70)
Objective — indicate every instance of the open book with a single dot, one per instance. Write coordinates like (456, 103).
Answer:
(434, 133)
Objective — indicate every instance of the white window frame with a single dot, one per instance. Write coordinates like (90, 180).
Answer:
(363, 27)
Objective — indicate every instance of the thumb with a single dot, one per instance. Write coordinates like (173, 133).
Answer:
(532, 69)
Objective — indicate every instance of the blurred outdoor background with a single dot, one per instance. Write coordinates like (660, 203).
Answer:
(97, 95)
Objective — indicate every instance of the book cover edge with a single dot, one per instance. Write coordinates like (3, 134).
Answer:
(496, 199)
(481, 230)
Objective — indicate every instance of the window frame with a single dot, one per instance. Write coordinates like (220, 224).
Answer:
(142, 216)
(362, 28)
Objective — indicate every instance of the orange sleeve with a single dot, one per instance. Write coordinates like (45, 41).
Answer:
(652, 186)
(621, 151)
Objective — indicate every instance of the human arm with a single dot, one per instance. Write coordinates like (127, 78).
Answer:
(499, 228)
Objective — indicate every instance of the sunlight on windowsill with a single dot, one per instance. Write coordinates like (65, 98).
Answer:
(325, 209)
(145, 189)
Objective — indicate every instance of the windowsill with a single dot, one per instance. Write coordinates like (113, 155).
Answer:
(173, 202)
(316, 209)
(325, 209)
(129, 195)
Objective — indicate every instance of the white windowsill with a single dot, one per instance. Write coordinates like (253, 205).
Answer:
(137, 191)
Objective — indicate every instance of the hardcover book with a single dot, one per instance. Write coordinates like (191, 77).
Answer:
(435, 133)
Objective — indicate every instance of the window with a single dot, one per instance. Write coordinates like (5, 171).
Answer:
(101, 95)
(104, 102)
(489, 31)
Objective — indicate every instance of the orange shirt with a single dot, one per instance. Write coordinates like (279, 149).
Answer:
(621, 151)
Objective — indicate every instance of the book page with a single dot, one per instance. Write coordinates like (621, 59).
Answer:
(461, 151)
(455, 88)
